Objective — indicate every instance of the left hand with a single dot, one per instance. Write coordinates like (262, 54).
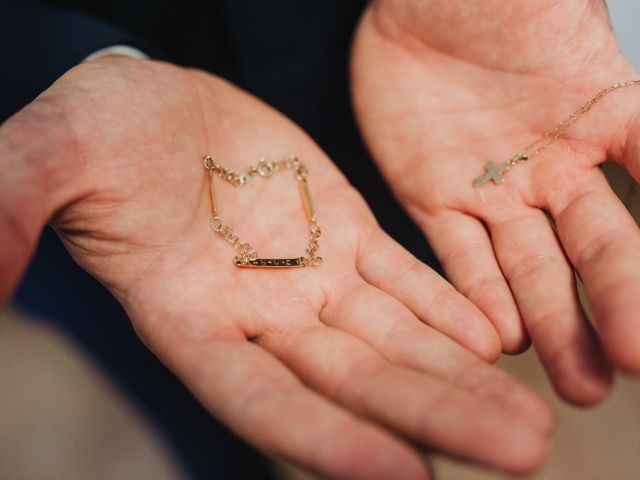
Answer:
(440, 89)
(337, 368)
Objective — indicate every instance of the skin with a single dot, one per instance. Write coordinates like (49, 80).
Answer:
(343, 368)
(440, 89)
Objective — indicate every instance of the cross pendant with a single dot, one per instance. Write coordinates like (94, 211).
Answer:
(493, 172)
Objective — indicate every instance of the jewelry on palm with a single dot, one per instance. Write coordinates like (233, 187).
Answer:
(495, 172)
(247, 255)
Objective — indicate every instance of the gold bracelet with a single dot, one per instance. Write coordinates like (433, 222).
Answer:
(247, 255)
(494, 172)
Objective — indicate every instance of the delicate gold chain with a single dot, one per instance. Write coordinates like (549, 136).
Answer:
(494, 172)
(247, 255)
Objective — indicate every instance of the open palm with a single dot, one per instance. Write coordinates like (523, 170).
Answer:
(337, 367)
(441, 88)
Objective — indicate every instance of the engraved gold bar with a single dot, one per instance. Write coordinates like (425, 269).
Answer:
(214, 206)
(272, 263)
(306, 200)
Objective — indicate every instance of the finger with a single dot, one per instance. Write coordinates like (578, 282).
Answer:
(384, 263)
(260, 399)
(465, 251)
(393, 330)
(423, 408)
(603, 242)
(544, 286)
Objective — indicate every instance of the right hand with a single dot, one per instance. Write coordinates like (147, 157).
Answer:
(442, 87)
(338, 367)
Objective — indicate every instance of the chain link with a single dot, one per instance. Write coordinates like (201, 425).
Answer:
(264, 168)
(556, 132)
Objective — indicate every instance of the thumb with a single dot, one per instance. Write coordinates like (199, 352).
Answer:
(38, 161)
(630, 154)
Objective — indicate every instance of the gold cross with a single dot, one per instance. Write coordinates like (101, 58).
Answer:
(493, 172)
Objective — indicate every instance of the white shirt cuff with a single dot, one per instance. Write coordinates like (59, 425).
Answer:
(124, 50)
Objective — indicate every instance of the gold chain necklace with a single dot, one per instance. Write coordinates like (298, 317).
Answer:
(494, 172)
(247, 255)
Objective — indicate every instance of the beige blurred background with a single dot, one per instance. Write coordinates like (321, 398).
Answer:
(60, 419)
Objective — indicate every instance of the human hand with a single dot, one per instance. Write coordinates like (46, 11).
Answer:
(336, 367)
(440, 89)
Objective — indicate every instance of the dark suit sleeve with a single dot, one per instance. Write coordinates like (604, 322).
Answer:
(38, 43)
